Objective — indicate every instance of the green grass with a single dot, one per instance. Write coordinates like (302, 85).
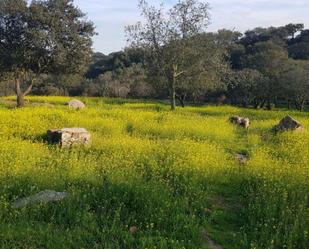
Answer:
(172, 174)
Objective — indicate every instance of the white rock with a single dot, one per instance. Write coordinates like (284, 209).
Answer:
(244, 122)
(76, 104)
(68, 137)
(42, 197)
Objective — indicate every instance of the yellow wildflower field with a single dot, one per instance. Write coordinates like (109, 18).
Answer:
(170, 175)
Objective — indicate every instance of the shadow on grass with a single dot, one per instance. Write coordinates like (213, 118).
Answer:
(105, 210)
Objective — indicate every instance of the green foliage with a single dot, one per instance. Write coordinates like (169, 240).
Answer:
(115, 61)
(299, 46)
(173, 47)
(171, 174)
(270, 52)
(44, 37)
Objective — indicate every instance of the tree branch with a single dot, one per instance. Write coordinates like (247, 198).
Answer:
(29, 89)
(17, 87)
(178, 74)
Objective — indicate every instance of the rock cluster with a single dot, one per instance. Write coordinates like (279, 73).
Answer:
(69, 137)
(243, 122)
(289, 124)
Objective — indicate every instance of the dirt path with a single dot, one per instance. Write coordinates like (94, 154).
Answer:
(212, 244)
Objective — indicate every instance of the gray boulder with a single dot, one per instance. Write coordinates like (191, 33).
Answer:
(243, 122)
(289, 124)
(76, 104)
(69, 137)
(42, 197)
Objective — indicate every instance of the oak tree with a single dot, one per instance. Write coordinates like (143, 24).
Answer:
(43, 37)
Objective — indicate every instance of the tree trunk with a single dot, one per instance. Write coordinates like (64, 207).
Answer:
(181, 99)
(256, 103)
(268, 106)
(276, 102)
(302, 106)
(263, 104)
(19, 95)
(245, 102)
(20, 101)
(173, 93)
(173, 98)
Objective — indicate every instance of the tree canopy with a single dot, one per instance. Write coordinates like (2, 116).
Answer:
(172, 44)
(43, 37)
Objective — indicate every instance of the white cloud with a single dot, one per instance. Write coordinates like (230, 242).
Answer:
(111, 16)
(245, 14)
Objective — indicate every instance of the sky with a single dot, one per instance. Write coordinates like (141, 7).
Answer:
(111, 16)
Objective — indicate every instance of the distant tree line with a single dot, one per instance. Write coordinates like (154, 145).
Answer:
(172, 56)
(264, 67)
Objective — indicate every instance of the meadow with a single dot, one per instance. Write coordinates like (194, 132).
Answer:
(173, 175)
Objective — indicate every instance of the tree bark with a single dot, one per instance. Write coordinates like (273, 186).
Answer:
(20, 101)
(173, 90)
(20, 95)
(302, 105)
(268, 106)
(173, 96)
(175, 75)
(256, 104)
(276, 102)
(245, 102)
(181, 99)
